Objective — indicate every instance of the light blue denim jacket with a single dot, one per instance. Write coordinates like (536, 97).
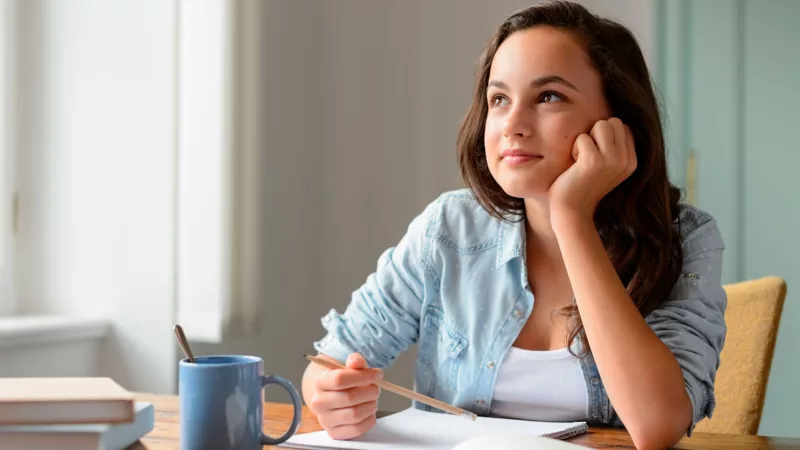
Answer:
(457, 285)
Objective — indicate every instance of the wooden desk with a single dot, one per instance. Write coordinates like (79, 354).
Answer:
(165, 434)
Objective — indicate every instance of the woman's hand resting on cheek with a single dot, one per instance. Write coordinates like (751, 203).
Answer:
(604, 158)
(346, 399)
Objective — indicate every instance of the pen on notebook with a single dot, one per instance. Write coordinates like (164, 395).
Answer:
(402, 391)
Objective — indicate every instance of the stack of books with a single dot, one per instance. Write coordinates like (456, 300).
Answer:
(72, 413)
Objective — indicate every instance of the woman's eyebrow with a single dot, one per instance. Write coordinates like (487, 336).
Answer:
(539, 82)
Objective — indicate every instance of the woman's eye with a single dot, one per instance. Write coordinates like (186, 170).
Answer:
(498, 100)
(551, 97)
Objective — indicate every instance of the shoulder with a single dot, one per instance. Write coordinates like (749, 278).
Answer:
(458, 220)
(460, 206)
(697, 229)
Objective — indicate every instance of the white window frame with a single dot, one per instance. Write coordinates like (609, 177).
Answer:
(8, 203)
(217, 167)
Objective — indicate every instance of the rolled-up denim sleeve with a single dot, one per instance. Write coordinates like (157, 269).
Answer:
(691, 322)
(382, 318)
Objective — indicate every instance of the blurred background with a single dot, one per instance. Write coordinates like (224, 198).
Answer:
(239, 166)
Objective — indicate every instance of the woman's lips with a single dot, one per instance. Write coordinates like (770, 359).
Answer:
(514, 157)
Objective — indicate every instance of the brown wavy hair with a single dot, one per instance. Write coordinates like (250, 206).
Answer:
(635, 219)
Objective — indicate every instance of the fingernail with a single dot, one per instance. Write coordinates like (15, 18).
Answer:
(379, 375)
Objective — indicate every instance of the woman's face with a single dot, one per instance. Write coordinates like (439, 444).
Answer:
(542, 93)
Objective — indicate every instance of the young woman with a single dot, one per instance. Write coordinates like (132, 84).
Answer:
(567, 282)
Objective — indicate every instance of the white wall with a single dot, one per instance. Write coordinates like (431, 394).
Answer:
(68, 359)
(7, 178)
(362, 111)
(96, 139)
(51, 346)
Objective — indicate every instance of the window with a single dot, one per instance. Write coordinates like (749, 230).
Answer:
(7, 164)
(218, 145)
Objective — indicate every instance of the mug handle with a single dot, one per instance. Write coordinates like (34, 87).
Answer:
(298, 408)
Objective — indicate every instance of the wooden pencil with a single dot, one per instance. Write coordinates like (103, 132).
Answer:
(399, 390)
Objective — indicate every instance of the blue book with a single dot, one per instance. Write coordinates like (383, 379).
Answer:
(99, 436)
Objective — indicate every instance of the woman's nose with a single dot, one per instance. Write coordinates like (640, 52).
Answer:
(518, 123)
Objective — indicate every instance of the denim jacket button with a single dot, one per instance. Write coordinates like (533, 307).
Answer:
(480, 402)
(490, 365)
(517, 313)
(595, 381)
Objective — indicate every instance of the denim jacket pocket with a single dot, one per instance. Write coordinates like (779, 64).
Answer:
(441, 352)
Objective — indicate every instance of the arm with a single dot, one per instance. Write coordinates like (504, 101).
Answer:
(381, 321)
(658, 372)
(382, 318)
(650, 370)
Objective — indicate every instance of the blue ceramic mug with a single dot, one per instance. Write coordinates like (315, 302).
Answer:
(221, 403)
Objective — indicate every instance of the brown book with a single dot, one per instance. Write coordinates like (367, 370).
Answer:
(30, 401)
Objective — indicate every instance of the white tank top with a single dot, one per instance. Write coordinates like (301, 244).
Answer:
(546, 386)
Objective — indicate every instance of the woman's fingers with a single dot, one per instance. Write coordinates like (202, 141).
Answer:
(345, 432)
(331, 400)
(603, 134)
(340, 379)
(351, 415)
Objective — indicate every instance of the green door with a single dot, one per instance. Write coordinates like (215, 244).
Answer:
(729, 72)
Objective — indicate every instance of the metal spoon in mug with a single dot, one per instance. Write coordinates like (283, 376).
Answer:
(183, 343)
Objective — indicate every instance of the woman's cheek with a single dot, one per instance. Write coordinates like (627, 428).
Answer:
(561, 138)
(492, 137)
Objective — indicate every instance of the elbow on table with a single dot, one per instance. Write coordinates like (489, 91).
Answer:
(657, 433)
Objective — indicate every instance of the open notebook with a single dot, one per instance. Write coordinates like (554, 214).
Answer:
(416, 429)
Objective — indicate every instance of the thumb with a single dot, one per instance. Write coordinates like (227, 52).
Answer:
(356, 361)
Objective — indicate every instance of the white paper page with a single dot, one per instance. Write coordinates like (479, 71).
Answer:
(416, 429)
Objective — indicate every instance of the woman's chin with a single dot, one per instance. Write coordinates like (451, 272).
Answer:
(525, 189)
